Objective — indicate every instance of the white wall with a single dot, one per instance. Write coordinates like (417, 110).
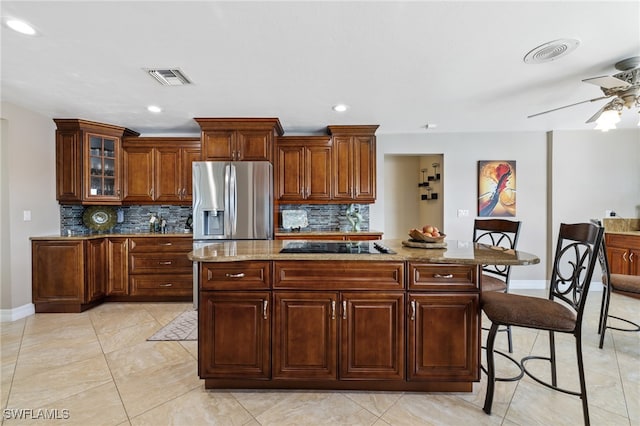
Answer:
(589, 171)
(28, 183)
(403, 211)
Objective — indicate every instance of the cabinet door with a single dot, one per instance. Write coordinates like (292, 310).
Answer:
(372, 336)
(58, 272)
(364, 172)
(290, 173)
(138, 174)
(618, 260)
(318, 172)
(68, 166)
(102, 168)
(343, 168)
(96, 269)
(305, 335)
(117, 267)
(634, 262)
(443, 337)
(253, 145)
(188, 156)
(218, 145)
(234, 334)
(167, 174)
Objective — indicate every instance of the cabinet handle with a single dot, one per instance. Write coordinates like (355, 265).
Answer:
(265, 303)
(165, 244)
(413, 310)
(151, 193)
(166, 262)
(333, 309)
(238, 275)
(624, 256)
(118, 192)
(344, 309)
(166, 285)
(447, 276)
(631, 257)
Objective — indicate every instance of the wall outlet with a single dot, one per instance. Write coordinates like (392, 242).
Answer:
(463, 213)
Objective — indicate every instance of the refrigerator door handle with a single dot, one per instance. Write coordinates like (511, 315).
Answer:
(233, 199)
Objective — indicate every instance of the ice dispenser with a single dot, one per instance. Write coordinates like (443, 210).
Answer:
(213, 222)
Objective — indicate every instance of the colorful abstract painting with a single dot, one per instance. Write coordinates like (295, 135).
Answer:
(496, 188)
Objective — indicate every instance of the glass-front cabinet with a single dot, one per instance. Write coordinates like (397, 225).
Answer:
(88, 162)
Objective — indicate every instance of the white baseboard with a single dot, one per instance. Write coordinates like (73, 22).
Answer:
(8, 315)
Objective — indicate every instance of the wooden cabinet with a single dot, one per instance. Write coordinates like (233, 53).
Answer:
(623, 253)
(338, 335)
(68, 276)
(117, 266)
(238, 139)
(354, 163)
(234, 321)
(88, 162)
(303, 168)
(158, 170)
(443, 329)
(159, 267)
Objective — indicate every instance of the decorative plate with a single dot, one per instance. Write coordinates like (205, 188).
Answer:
(99, 218)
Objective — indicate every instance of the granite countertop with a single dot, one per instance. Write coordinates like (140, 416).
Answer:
(284, 232)
(103, 235)
(621, 225)
(457, 252)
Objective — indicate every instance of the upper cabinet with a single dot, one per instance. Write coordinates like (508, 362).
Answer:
(303, 168)
(354, 163)
(88, 162)
(238, 139)
(158, 170)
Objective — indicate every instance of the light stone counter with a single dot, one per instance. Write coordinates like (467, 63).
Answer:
(457, 252)
(76, 237)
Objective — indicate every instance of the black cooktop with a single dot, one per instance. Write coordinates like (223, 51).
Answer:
(360, 247)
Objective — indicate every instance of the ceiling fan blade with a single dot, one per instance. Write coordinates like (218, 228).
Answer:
(600, 111)
(567, 106)
(608, 82)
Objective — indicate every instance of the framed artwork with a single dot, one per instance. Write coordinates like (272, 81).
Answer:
(496, 188)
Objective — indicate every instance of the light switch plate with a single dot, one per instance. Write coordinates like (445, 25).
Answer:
(26, 215)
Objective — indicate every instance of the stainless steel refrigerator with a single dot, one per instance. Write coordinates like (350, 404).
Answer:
(232, 200)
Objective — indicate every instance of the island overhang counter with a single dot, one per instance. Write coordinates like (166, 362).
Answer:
(407, 320)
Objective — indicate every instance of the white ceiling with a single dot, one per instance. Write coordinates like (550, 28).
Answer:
(398, 64)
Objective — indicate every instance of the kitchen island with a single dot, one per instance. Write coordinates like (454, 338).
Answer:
(407, 319)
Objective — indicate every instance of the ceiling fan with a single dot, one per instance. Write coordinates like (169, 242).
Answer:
(623, 87)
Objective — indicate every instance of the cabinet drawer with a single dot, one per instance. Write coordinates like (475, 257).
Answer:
(150, 263)
(443, 277)
(339, 275)
(164, 244)
(235, 275)
(624, 241)
(161, 285)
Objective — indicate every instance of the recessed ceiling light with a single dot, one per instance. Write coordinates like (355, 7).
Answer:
(20, 26)
(154, 108)
(340, 108)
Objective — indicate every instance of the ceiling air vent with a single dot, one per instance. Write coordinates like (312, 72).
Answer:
(169, 77)
(551, 51)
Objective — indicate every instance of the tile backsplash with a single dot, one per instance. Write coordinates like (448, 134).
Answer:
(326, 217)
(136, 219)
(321, 217)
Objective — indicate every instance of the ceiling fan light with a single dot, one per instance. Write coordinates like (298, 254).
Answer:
(605, 127)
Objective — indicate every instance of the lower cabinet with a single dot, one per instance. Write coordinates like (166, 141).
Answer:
(337, 325)
(623, 253)
(68, 276)
(75, 274)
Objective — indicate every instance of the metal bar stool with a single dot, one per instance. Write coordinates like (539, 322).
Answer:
(575, 257)
(501, 233)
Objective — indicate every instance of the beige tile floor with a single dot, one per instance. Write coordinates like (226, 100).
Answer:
(96, 368)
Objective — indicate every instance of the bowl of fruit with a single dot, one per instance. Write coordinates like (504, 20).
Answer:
(428, 234)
